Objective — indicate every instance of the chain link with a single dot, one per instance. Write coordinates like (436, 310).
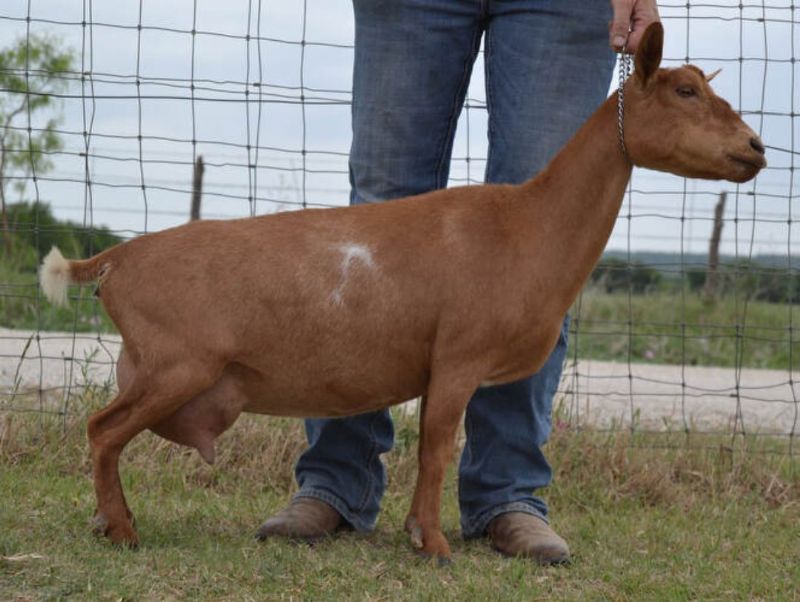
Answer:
(624, 73)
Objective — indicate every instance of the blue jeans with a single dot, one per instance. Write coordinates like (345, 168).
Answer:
(548, 66)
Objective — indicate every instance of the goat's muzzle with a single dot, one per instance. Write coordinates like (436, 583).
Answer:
(757, 145)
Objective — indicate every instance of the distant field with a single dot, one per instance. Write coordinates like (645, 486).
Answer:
(670, 328)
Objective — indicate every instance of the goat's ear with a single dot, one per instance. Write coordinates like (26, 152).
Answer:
(648, 54)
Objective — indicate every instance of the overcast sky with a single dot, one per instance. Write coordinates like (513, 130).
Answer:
(270, 66)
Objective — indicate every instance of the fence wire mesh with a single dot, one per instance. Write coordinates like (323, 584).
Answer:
(101, 147)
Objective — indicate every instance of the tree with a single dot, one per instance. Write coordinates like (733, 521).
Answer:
(32, 74)
(70, 237)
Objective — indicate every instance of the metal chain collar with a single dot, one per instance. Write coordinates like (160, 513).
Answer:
(624, 73)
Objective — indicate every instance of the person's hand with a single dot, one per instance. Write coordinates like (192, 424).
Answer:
(631, 18)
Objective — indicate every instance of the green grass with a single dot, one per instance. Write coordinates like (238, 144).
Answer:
(709, 519)
(668, 328)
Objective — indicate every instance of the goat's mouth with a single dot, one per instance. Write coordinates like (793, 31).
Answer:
(751, 162)
(747, 166)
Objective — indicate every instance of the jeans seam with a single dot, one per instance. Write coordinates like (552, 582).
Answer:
(370, 459)
(447, 141)
(468, 444)
(490, 127)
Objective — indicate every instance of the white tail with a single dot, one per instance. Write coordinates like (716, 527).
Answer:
(54, 276)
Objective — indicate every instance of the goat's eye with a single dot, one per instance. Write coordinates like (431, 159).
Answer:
(686, 92)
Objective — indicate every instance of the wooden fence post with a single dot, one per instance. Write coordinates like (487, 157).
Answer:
(710, 286)
(197, 188)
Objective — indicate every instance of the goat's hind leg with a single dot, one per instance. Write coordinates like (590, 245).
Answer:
(143, 402)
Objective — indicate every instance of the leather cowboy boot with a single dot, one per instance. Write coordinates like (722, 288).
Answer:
(523, 534)
(305, 519)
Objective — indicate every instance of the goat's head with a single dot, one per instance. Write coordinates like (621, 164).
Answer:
(674, 122)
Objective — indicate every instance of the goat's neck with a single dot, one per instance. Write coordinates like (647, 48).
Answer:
(572, 205)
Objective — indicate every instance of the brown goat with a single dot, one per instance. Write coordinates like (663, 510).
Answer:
(341, 311)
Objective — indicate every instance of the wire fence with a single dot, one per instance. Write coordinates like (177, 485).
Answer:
(261, 90)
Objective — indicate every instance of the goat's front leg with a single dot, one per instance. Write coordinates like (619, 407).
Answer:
(141, 404)
(441, 414)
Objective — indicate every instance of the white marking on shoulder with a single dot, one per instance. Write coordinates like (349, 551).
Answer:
(352, 254)
(356, 252)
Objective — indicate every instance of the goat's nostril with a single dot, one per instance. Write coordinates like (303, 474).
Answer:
(756, 144)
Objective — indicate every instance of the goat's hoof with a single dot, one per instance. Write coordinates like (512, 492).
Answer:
(428, 545)
(441, 561)
(120, 533)
(438, 549)
(436, 544)
(124, 536)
